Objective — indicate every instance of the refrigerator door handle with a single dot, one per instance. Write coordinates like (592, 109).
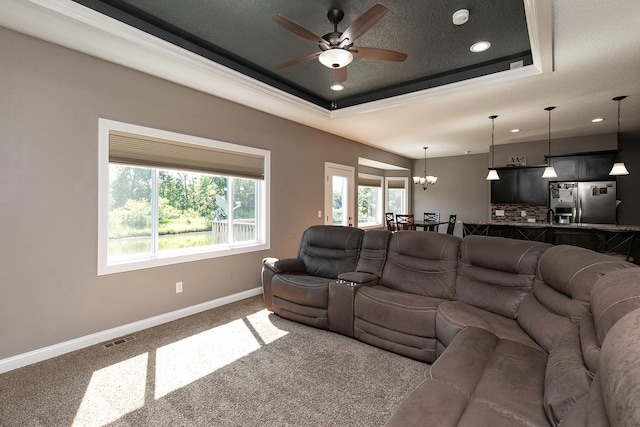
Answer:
(579, 210)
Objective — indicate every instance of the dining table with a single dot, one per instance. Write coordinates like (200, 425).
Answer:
(428, 225)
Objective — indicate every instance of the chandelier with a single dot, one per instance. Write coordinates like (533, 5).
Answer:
(426, 180)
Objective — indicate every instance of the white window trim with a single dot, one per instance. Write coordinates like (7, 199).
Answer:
(170, 257)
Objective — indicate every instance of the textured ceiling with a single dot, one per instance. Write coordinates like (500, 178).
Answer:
(242, 35)
(585, 52)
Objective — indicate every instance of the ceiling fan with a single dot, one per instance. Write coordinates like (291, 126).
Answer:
(336, 48)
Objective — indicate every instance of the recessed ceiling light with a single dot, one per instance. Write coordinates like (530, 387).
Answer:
(597, 120)
(480, 46)
(336, 87)
(515, 130)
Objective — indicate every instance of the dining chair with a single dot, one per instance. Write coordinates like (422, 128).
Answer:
(452, 224)
(405, 222)
(391, 222)
(431, 217)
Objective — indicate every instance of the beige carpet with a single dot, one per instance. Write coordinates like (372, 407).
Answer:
(237, 365)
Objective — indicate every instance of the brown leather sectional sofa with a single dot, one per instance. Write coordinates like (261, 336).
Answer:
(514, 330)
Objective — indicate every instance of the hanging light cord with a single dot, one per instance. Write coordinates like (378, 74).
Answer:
(549, 109)
(425, 161)
(549, 135)
(493, 123)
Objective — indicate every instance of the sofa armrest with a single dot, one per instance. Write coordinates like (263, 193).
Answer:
(286, 265)
(360, 278)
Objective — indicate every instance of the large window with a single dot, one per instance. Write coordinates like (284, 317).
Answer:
(370, 200)
(397, 200)
(167, 198)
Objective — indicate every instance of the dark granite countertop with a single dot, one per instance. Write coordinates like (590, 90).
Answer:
(611, 227)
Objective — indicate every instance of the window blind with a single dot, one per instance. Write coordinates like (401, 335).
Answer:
(369, 182)
(142, 150)
(395, 183)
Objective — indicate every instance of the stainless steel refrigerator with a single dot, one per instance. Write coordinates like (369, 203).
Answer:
(583, 202)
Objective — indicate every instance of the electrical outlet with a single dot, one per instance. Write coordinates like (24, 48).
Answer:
(523, 213)
(319, 214)
(178, 287)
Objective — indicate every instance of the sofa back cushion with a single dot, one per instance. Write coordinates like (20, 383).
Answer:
(620, 373)
(566, 378)
(373, 252)
(613, 295)
(562, 289)
(328, 250)
(422, 263)
(496, 273)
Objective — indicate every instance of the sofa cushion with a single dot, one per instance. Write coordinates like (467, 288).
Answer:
(567, 379)
(496, 273)
(397, 321)
(453, 316)
(373, 252)
(620, 371)
(422, 264)
(480, 380)
(589, 343)
(562, 289)
(616, 294)
(433, 403)
(612, 296)
(328, 250)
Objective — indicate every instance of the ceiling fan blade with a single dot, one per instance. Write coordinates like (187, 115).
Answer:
(340, 74)
(363, 23)
(378, 54)
(298, 29)
(297, 61)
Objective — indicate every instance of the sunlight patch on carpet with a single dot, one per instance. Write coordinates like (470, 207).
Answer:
(185, 361)
(113, 392)
(261, 324)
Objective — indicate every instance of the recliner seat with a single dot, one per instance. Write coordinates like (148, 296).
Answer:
(298, 288)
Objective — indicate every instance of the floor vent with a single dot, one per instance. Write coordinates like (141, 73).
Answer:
(119, 341)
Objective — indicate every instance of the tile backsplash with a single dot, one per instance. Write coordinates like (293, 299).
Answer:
(513, 212)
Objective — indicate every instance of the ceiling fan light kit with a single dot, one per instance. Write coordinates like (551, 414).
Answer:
(336, 48)
(335, 58)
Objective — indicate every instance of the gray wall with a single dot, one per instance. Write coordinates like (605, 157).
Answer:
(461, 189)
(52, 98)
(51, 101)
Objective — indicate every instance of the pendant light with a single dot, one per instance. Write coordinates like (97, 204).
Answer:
(549, 171)
(618, 168)
(493, 174)
(426, 180)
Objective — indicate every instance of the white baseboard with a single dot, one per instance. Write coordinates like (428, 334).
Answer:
(41, 354)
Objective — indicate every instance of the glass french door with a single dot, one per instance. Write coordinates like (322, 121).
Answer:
(339, 191)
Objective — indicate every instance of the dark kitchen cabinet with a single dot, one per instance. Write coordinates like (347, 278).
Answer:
(583, 167)
(597, 166)
(567, 168)
(504, 189)
(520, 185)
(532, 188)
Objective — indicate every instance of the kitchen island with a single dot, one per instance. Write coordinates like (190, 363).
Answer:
(607, 238)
